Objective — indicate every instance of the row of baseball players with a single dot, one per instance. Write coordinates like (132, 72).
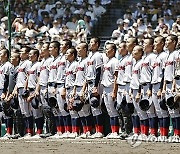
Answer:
(143, 72)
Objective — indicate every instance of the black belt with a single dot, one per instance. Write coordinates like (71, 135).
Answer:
(168, 82)
(31, 89)
(90, 82)
(177, 78)
(59, 84)
(52, 84)
(145, 84)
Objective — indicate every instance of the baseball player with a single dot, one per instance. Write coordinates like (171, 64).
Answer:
(24, 65)
(18, 119)
(157, 85)
(94, 66)
(145, 81)
(70, 71)
(33, 87)
(131, 42)
(169, 75)
(81, 71)
(54, 49)
(109, 90)
(43, 83)
(60, 81)
(5, 68)
(140, 127)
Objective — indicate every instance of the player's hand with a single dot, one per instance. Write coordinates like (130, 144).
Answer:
(95, 90)
(53, 91)
(159, 94)
(113, 95)
(63, 93)
(3, 96)
(15, 93)
(163, 93)
(149, 93)
(138, 96)
(173, 89)
(36, 93)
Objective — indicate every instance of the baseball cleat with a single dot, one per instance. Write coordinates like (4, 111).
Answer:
(113, 136)
(132, 137)
(162, 139)
(174, 139)
(56, 136)
(37, 136)
(152, 138)
(73, 135)
(96, 135)
(6, 137)
(65, 135)
(26, 136)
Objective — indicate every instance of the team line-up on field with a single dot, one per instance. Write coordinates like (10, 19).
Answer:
(67, 88)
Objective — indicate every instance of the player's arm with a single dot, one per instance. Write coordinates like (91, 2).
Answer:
(115, 86)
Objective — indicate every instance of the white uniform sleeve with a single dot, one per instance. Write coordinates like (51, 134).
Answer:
(98, 61)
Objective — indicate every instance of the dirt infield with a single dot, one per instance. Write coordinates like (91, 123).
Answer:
(100, 146)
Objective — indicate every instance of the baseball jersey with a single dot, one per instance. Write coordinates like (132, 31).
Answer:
(33, 74)
(177, 66)
(95, 60)
(12, 78)
(169, 72)
(22, 73)
(60, 78)
(128, 68)
(108, 72)
(4, 70)
(158, 66)
(81, 72)
(70, 71)
(147, 67)
(136, 69)
(53, 69)
(44, 71)
(121, 70)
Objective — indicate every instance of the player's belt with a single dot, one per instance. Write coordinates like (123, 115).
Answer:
(177, 78)
(90, 82)
(168, 82)
(145, 84)
(52, 84)
(31, 89)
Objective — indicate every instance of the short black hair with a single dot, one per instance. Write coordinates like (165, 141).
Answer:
(56, 44)
(97, 40)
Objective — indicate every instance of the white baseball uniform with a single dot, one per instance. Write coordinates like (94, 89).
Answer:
(24, 66)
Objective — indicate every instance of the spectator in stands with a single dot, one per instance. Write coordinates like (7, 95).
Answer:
(59, 8)
(73, 23)
(167, 20)
(98, 9)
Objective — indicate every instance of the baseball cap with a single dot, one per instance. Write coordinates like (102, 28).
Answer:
(120, 22)
(58, 3)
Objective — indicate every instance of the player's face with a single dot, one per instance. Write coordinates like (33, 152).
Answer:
(23, 54)
(52, 50)
(45, 48)
(122, 49)
(13, 59)
(136, 53)
(169, 42)
(109, 51)
(129, 44)
(69, 55)
(32, 56)
(158, 44)
(146, 45)
(93, 46)
(63, 47)
(81, 50)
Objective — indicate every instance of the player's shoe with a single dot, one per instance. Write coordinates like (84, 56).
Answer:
(65, 135)
(6, 137)
(113, 136)
(162, 139)
(26, 136)
(73, 135)
(56, 136)
(152, 138)
(174, 139)
(82, 136)
(37, 136)
(123, 135)
(96, 135)
(133, 137)
(142, 137)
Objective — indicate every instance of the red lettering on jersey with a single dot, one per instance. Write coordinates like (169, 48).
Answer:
(80, 69)
(107, 68)
(90, 63)
(135, 71)
(69, 73)
(1, 72)
(61, 64)
(128, 63)
(121, 67)
(53, 67)
(156, 64)
(169, 63)
(20, 70)
(42, 68)
(31, 72)
(145, 64)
